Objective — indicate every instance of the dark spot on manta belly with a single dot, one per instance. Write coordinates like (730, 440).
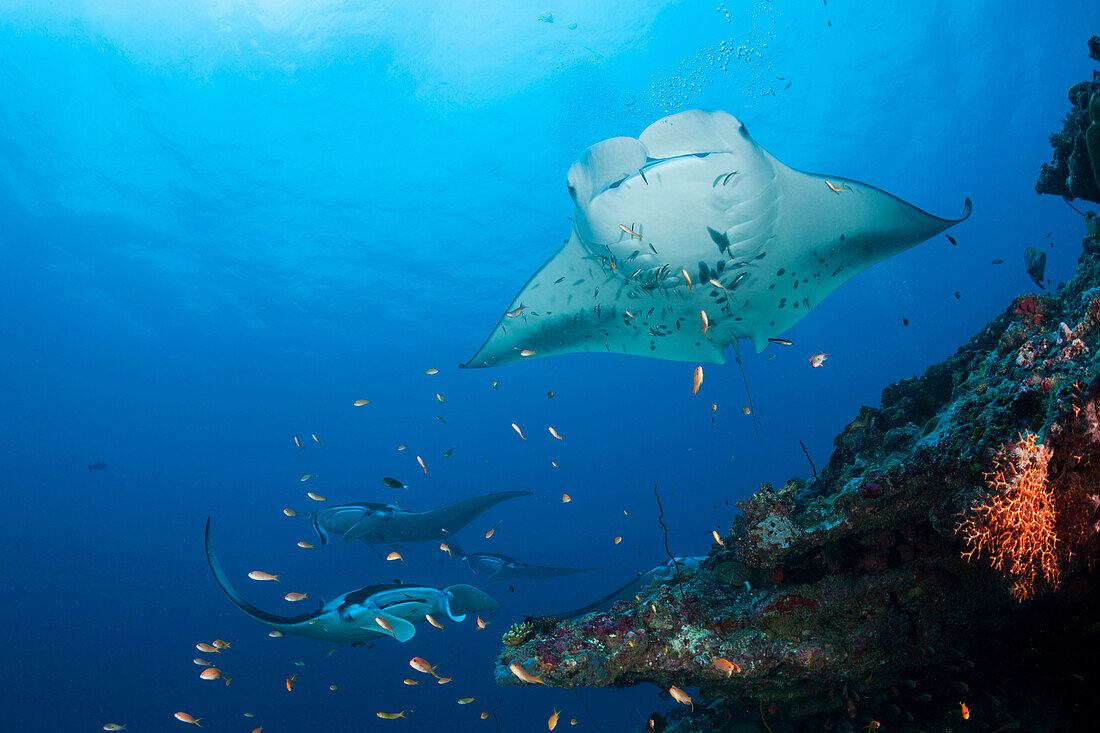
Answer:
(780, 271)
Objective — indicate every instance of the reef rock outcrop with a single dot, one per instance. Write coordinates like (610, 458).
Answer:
(1075, 170)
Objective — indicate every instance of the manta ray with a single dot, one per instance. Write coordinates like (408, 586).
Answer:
(693, 236)
(505, 566)
(351, 618)
(373, 523)
(662, 574)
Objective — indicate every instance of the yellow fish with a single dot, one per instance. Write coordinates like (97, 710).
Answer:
(631, 232)
(440, 397)
(681, 697)
(290, 683)
(443, 680)
(295, 597)
(481, 624)
(706, 321)
(315, 497)
(445, 547)
(566, 498)
(524, 675)
(526, 352)
(518, 431)
(290, 512)
(274, 634)
(484, 715)
(432, 620)
(421, 462)
(555, 434)
(410, 682)
(384, 624)
(717, 538)
(717, 284)
(305, 545)
(833, 187)
(219, 644)
(687, 277)
(492, 530)
(360, 403)
(187, 718)
(421, 665)
(391, 716)
(395, 556)
(465, 700)
(724, 665)
(213, 673)
(201, 662)
(306, 477)
(697, 380)
(552, 723)
(617, 540)
(260, 575)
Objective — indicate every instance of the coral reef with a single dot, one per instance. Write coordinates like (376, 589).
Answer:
(945, 555)
(1075, 170)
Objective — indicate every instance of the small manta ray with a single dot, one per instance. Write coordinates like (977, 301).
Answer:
(504, 566)
(385, 523)
(351, 618)
(662, 574)
(715, 224)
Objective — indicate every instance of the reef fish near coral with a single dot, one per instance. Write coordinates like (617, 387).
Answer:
(703, 202)
(353, 617)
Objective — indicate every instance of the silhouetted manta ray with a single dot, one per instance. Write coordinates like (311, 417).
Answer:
(694, 217)
(373, 523)
(664, 573)
(505, 566)
(350, 618)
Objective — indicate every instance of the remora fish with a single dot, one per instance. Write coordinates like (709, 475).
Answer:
(373, 523)
(351, 618)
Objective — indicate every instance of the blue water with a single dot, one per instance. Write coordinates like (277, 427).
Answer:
(222, 222)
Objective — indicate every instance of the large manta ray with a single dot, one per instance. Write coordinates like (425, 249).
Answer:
(373, 523)
(693, 236)
(350, 618)
(506, 566)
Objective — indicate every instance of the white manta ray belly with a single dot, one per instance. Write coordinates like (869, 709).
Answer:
(694, 217)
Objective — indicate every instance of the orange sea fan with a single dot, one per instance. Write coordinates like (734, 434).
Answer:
(1015, 526)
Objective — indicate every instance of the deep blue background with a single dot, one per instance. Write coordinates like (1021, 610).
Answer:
(221, 222)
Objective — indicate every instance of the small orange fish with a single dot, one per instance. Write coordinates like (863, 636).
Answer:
(555, 433)
(334, 688)
(201, 662)
(681, 697)
(630, 315)
(818, 359)
(492, 530)
(410, 682)
(514, 313)
(258, 730)
(432, 371)
(630, 231)
(213, 673)
(717, 538)
(706, 321)
(305, 477)
(717, 284)
(290, 512)
(360, 403)
(746, 410)
(572, 721)
(115, 726)
(518, 431)
(566, 498)
(445, 547)
(315, 497)
(495, 384)
(527, 352)
(421, 665)
(316, 439)
(617, 540)
(204, 647)
(421, 462)
(440, 397)
(481, 624)
(432, 620)
(187, 718)
(552, 723)
(402, 447)
(484, 715)
(221, 644)
(724, 665)
(395, 556)
(290, 683)
(274, 634)
(714, 407)
(465, 700)
(391, 716)
(833, 187)
(964, 711)
(261, 575)
(384, 624)
(687, 278)
(697, 380)
(443, 680)
(298, 443)
(305, 545)
(554, 464)
(295, 597)
(524, 675)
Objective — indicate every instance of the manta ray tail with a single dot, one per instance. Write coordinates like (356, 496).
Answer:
(268, 619)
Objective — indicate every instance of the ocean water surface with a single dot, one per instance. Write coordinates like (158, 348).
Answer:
(225, 221)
